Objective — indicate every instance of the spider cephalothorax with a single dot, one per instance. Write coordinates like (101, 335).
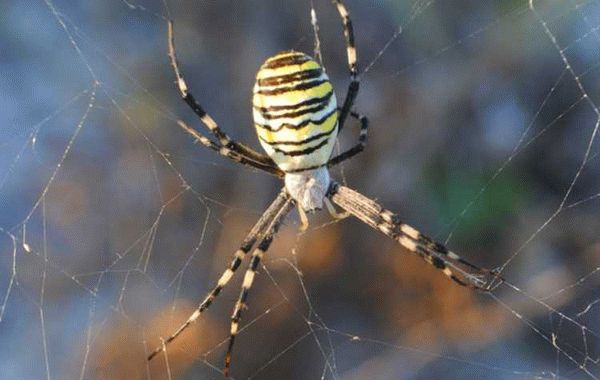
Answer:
(297, 121)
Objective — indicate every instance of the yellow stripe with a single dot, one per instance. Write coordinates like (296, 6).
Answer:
(291, 97)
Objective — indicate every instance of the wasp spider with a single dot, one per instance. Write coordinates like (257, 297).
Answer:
(297, 120)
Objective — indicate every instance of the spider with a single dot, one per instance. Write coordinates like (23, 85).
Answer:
(297, 121)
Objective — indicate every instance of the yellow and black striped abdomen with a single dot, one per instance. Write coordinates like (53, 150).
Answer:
(295, 111)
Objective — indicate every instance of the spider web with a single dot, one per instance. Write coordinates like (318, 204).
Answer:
(114, 224)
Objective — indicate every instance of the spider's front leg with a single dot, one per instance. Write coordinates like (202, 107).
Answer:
(226, 146)
(224, 151)
(352, 62)
(359, 147)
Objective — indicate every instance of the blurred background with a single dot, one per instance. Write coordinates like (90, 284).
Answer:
(114, 224)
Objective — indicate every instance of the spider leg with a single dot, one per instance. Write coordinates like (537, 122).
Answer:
(223, 139)
(436, 254)
(264, 224)
(229, 153)
(333, 212)
(257, 255)
(303, 219)
(356, 149)
(352, 65)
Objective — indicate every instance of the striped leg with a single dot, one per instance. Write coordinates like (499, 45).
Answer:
(231, 154)
(223, 139)
(356, 149)
(352, 65)
(436, 254)
(264, 224)
(241, 304)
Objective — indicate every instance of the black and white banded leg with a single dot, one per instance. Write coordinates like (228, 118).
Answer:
(229, 153)
(257, 255)
(359, 147)
(250, 155)
(436, 254)
(353, 88)
(352, 63)
(263, 226)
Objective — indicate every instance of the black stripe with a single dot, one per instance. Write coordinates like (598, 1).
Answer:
(296, 59)
(247, 244)
(296, 87)
(440, 248)
(303, 103)
(235, 318)
(458, 281)
(206, 304)
(396, 221)
(300, 112)
(265, 243)
(437, 262)
(298, 126)
(293, 77)
(191, 101)
(423, 253)
(302, 152)
(254, 263)
(243, 298)
(465, 262)
(299, 142)
(235, 264)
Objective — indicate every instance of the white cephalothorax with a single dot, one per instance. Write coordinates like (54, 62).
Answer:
(308, 187)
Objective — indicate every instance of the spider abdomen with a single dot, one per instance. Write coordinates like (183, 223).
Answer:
(295, 111)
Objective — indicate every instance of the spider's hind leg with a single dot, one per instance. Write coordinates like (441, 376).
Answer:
(261, 227)
(257, 255)
(452, 265)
